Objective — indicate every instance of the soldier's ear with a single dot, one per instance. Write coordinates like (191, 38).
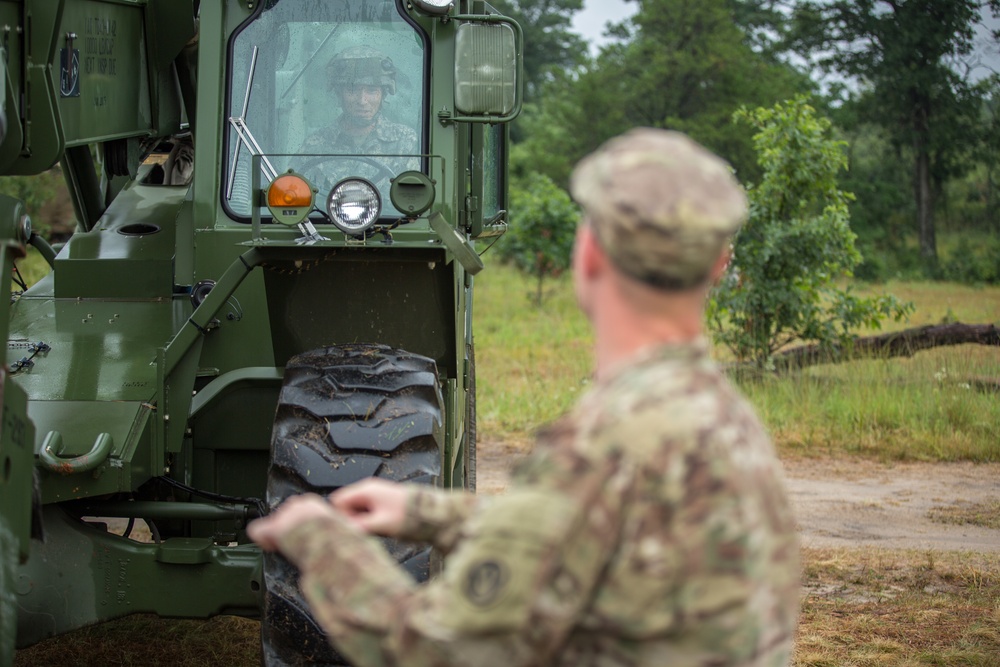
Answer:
(721, 264)
(590, 260)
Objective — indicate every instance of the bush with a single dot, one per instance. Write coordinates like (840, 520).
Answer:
(972, 260)
(796, 245)
(542, 229)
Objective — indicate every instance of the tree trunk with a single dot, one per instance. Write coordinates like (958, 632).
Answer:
(925, 201)
(990, 206)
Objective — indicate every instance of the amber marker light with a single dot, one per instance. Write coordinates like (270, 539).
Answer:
(290, 198)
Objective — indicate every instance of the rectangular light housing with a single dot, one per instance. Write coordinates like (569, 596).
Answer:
(485, 69)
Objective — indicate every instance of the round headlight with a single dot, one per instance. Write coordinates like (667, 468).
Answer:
(354, 205)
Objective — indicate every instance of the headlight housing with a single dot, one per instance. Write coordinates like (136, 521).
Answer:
(354, 205)
(435, 7)
(290, 198)
(486, 69)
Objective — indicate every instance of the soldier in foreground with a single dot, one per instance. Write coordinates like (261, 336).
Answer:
(649, 527)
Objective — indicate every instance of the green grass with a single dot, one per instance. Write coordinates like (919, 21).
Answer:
(925, 407)
(532, 364)
(939, 302)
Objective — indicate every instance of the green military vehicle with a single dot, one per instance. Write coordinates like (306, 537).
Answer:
(269, 291)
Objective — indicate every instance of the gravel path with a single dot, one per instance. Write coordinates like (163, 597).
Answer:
(858, 503)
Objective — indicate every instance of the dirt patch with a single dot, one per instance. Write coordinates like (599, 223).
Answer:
(494, 462)
(845, 503)
(894, 506)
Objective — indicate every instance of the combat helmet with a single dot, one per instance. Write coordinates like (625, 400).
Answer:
(362, 65)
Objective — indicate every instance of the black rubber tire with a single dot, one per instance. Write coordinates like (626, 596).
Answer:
(340, 417)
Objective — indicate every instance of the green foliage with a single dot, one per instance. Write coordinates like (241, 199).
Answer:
(575, 116)
(909, 56)
(542, 229)
(677, 64)
(973, 259)
(795, 246)
(549, 43)
(35, 192)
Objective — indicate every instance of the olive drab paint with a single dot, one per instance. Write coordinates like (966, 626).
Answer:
(155, 349)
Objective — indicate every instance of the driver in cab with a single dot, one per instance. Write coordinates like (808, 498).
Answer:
(362, 78)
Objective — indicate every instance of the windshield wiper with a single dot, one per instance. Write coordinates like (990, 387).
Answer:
(239, 123)
(302, 70)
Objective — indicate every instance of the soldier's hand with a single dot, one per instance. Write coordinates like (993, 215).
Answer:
(268, 531)
(373, 505)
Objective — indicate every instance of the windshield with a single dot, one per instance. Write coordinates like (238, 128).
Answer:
(329, 89)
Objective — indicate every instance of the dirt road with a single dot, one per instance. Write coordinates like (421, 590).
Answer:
(859, 503)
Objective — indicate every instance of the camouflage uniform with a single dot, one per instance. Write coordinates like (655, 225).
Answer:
(649, 527)
(385, 138)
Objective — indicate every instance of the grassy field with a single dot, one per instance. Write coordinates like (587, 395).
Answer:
(860, 608)
(534, 362)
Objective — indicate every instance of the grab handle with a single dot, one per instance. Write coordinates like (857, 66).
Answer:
(51, 460)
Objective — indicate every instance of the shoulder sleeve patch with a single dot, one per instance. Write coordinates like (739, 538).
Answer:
(485, 582)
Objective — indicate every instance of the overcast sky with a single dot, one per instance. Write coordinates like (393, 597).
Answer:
(590, 21)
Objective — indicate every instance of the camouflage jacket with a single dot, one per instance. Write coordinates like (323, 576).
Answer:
(649, 527)
(385, 138)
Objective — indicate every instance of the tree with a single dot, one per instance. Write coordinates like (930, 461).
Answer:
(882, 213)
(988, 150)
(797, 243)
(677, 64)
(576, 114)
(543, 226)
(549, 42)
(906, 51)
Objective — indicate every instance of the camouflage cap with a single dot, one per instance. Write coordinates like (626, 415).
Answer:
(661, 206)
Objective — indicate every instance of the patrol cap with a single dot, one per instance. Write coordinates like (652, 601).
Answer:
(362, 66)
(661, 206)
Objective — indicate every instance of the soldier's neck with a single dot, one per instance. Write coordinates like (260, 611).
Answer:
(624, 328)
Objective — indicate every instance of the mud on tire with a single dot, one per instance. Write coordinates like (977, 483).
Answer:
(345, 413)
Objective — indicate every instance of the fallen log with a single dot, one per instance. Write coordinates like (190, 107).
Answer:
(985, 384)
(903, 343)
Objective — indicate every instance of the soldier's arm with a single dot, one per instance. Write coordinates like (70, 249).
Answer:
(413, 512)
(523, 570)
(436, 516)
